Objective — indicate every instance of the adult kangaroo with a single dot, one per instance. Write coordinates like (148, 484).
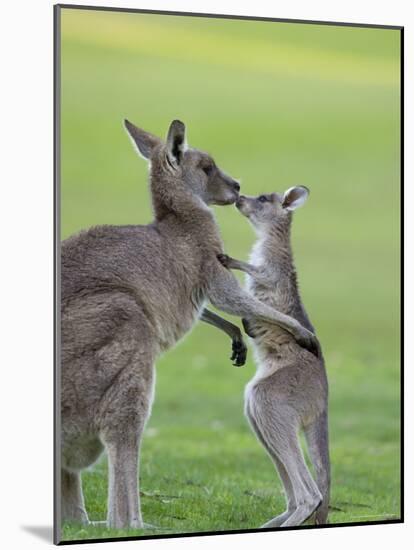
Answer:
(130, 293)
(290, 389)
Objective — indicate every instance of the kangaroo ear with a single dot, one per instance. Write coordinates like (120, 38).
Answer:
(144, 142)
(295, 197)
(176, 143)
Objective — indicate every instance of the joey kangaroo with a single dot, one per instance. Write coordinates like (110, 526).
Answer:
(290, 390)
(129, 293)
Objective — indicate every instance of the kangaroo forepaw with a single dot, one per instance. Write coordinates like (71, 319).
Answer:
(248, 328)
(239, 354)
(309, 341)
(224, 260)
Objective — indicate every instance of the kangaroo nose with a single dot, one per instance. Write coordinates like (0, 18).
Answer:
(236, 186)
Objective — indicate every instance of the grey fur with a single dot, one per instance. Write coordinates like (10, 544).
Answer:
(239, 349)
(129, 293)
(290, 390)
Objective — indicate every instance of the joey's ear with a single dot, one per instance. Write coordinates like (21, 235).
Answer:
(144, 142)
(176, 143)
(295, 197)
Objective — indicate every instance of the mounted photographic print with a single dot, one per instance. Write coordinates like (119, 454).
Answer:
(228, 263)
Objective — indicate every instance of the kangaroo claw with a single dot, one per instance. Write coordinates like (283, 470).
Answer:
(239, 353)
(247, 328)
(224, 259)
(309, 341)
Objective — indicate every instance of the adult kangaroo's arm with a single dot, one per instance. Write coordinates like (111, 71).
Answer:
(225, 293)
(239, 349)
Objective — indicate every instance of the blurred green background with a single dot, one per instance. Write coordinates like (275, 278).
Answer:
(276, 104)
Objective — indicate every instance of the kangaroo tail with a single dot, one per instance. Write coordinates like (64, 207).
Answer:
(318, 445)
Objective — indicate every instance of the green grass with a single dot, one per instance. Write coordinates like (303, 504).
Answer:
(277, 105)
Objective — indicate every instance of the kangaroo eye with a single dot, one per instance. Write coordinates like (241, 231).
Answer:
(208, 169)
(262, 198)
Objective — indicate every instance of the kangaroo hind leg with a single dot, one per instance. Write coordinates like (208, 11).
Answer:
(307, 494)
(278, 426)
(287, 486)
(123, 414)
(73, 505)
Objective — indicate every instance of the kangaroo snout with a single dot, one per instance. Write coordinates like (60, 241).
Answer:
(242, 203)
(230, 190)
(233, 184)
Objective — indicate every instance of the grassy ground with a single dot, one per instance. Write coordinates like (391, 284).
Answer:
(276, 105)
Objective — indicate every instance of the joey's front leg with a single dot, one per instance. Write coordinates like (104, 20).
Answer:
(257, 273)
